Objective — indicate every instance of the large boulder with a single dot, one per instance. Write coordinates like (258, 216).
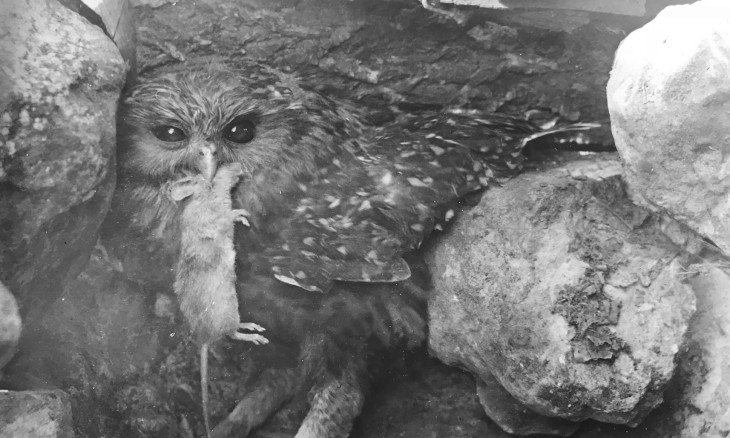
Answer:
(669, 101)
(564, 291)
(59, 85)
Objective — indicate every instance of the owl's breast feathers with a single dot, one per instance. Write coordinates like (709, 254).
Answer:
(359, 214)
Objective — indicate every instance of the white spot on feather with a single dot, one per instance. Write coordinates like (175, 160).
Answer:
(287, 280)
(417, 228)
(365, 206)
(437, 150)
(415, 182)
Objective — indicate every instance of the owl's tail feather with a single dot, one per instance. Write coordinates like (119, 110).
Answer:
(561, 129)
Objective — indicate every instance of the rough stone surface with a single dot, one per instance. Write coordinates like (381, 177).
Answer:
(513, 416)
(10, 326)
(669, 100)
(697, 401)
(565, 291)
(98, 335)
(703, 393)
(37, 414)
(59, 86)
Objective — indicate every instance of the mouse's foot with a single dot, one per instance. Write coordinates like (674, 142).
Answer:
(250, 326)
(241, 215)
(250, 337)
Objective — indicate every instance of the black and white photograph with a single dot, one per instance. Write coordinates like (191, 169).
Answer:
(364, 218)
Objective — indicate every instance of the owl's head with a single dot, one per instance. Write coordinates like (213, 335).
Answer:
(194, 120)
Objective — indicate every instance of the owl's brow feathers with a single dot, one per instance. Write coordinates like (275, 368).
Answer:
(196, 103)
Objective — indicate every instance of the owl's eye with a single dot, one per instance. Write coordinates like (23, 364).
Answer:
(169, 134)
(240, 131)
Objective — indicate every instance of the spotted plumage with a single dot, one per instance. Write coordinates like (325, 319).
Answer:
(332, 202)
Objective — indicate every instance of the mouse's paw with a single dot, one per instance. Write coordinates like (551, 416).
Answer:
(249, 337)
(241, 215)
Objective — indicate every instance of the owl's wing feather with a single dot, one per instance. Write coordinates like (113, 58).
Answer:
(356, 220)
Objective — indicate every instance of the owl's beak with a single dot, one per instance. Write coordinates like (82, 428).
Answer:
(207, 162)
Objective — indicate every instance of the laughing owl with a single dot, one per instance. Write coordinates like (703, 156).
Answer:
(334, 204)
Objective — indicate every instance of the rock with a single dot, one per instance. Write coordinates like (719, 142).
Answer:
(702, 399)
(669, 100)
(565, 291)
(101, 333)
(59, 86)
(698, 397)
(513, 416)
(10, 326)
(37, 414)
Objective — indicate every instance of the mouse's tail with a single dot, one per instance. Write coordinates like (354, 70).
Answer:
(204, 386)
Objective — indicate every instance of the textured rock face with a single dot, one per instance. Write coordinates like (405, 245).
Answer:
(95, 338)
(10, 326)
(703, 402)
(59, 87)
(512, 416)
(38, 414)
(669, 100)
(566, 292)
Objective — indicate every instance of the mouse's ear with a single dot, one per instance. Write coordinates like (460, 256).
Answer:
(181, 189)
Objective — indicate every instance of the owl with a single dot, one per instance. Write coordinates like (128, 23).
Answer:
(337, 207)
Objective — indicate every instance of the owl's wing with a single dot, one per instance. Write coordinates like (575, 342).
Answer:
(356, 220)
